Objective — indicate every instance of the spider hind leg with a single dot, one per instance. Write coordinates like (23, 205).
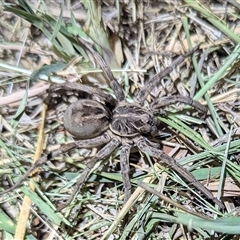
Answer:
(84, 91)
(158, 104)
(101, 154)
(125, 169)
(158, 154)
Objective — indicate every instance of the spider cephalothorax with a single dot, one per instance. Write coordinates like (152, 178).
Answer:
(131, 119)
(106, 123)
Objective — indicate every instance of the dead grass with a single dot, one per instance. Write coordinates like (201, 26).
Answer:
(145, 37)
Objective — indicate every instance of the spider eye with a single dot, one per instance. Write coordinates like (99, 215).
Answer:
(86, 119)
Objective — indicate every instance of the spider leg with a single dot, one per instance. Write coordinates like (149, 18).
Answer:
(154, 81)
(102, 153)
(124, 162)
(158, 154)
(89, 143)
(84, 91)
(162, 102)
(113, 83)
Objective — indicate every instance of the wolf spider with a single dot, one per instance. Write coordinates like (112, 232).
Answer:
(106, 123)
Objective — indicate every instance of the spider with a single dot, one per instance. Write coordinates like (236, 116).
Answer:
(107, 123)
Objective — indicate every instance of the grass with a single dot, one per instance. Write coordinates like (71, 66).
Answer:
(145, 38)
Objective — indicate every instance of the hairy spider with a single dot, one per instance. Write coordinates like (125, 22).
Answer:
(107, 123)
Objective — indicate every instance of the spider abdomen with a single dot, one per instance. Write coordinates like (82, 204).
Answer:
(86, 119)
(130, 119)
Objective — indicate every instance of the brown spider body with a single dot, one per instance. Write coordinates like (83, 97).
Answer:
(107, 123)
(79, 122)
(130, 120)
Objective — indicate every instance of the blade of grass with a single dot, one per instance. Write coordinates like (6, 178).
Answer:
(205, 12)
(174, 122)
(190, 133)
(25, 208)
(212, 110)
(6, 223)
(224, 163)
(228, 225)
(221, 72)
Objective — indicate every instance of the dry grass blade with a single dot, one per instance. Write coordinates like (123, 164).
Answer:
(26, 204)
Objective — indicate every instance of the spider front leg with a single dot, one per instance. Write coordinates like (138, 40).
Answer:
(155, 80)
(165, 101)
(101, 154)
(158, 154)
(89, 143)
(84, 92)
(113, 83)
